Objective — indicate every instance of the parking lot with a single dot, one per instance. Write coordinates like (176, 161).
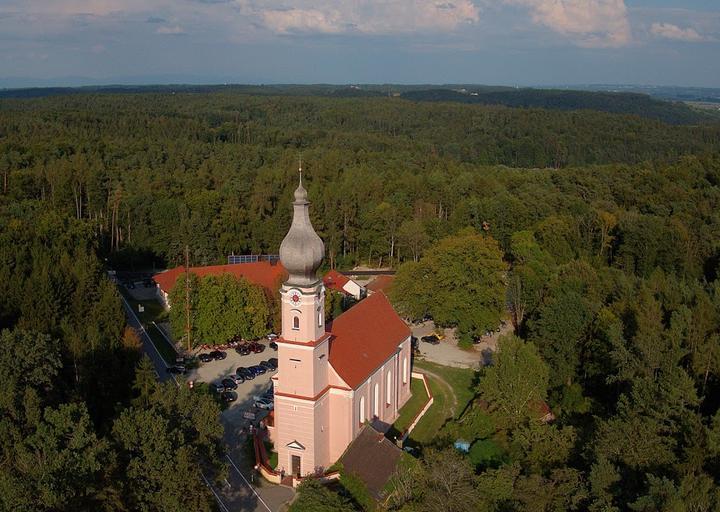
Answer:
(215, 371)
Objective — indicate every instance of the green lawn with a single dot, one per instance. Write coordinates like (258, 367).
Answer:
(413, 406)
(153, 312)
(462, 380)
(168, 353)
(444, 405)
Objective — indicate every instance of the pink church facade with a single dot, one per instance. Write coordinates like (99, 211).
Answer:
(331, 379)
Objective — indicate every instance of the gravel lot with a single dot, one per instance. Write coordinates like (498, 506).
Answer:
(447, 352)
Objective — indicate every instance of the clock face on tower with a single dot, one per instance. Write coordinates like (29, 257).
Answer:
(295, 297)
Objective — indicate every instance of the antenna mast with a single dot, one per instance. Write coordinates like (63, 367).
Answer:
(187, 297)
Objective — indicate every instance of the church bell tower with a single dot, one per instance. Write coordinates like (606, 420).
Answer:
(301, 383)
(303, 294)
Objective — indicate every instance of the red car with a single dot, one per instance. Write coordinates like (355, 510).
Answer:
(256, 347)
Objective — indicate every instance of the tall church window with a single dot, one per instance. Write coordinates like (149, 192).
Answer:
(376, 404)
(362, 410)
(388, 385)
(296, 322)
(404, 370)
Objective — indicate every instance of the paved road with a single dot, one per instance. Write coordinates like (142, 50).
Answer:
(243, 489)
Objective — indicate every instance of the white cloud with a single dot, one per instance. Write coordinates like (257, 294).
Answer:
(363, 16)
(589, 23)
(670, 31)
(172, 30)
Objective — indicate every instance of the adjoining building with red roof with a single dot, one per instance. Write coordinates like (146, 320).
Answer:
(267, 274)
(332, 379)
(334, 280)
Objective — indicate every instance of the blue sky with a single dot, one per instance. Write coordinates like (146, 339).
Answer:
(511, 42)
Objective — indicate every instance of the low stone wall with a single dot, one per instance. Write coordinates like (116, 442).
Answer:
(261, 459)
(421, 413)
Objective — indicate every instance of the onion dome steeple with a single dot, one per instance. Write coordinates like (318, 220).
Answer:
(302, 250)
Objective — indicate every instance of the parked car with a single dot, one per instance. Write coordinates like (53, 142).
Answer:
(245, 373)
(217, 388)
(239, 379)
(218, 355)
(205, 357)
(229, 383)
(258, 370)
(243, 349)
(267, 365)
(432, 339)
(228, 396)
(267, 395)
(256, 347)
(273, 361)
(273, 345)
(264, 403)
(176, 369)
(272, 337)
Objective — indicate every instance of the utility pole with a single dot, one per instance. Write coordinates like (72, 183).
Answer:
(187, 297)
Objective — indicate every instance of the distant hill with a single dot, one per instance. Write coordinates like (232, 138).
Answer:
(612, 102)
(632, 103)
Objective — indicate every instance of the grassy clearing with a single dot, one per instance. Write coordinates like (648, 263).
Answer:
(413, 406)
(462, 381)
(448, 402)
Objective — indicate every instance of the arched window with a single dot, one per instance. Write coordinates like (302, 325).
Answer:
(362, 410)
(376, 404)
(296, 322)
(388, 388)
(405, 370)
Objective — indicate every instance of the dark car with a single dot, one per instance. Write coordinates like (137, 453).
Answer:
(256, 347)
(273, 361)
(243, 349)
(273, 345)
(245, 373)
(177, 369)
(217, 388)
(205, 358)
(229, 384)
(218, 354)
(432, 339)
(228, 396)
(258, 370)
(266, 365)
(239, 379)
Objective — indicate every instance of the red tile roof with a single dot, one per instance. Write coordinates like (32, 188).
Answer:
(380, 284)
(263, 273)
(335, 281)
(364, 337)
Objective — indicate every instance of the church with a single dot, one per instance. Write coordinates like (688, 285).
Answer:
(333, 378)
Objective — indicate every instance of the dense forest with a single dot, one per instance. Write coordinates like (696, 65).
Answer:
(604, 227)
(619, 103)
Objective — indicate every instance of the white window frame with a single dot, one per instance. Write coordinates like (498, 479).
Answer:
(388, 388)
(376, 405)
